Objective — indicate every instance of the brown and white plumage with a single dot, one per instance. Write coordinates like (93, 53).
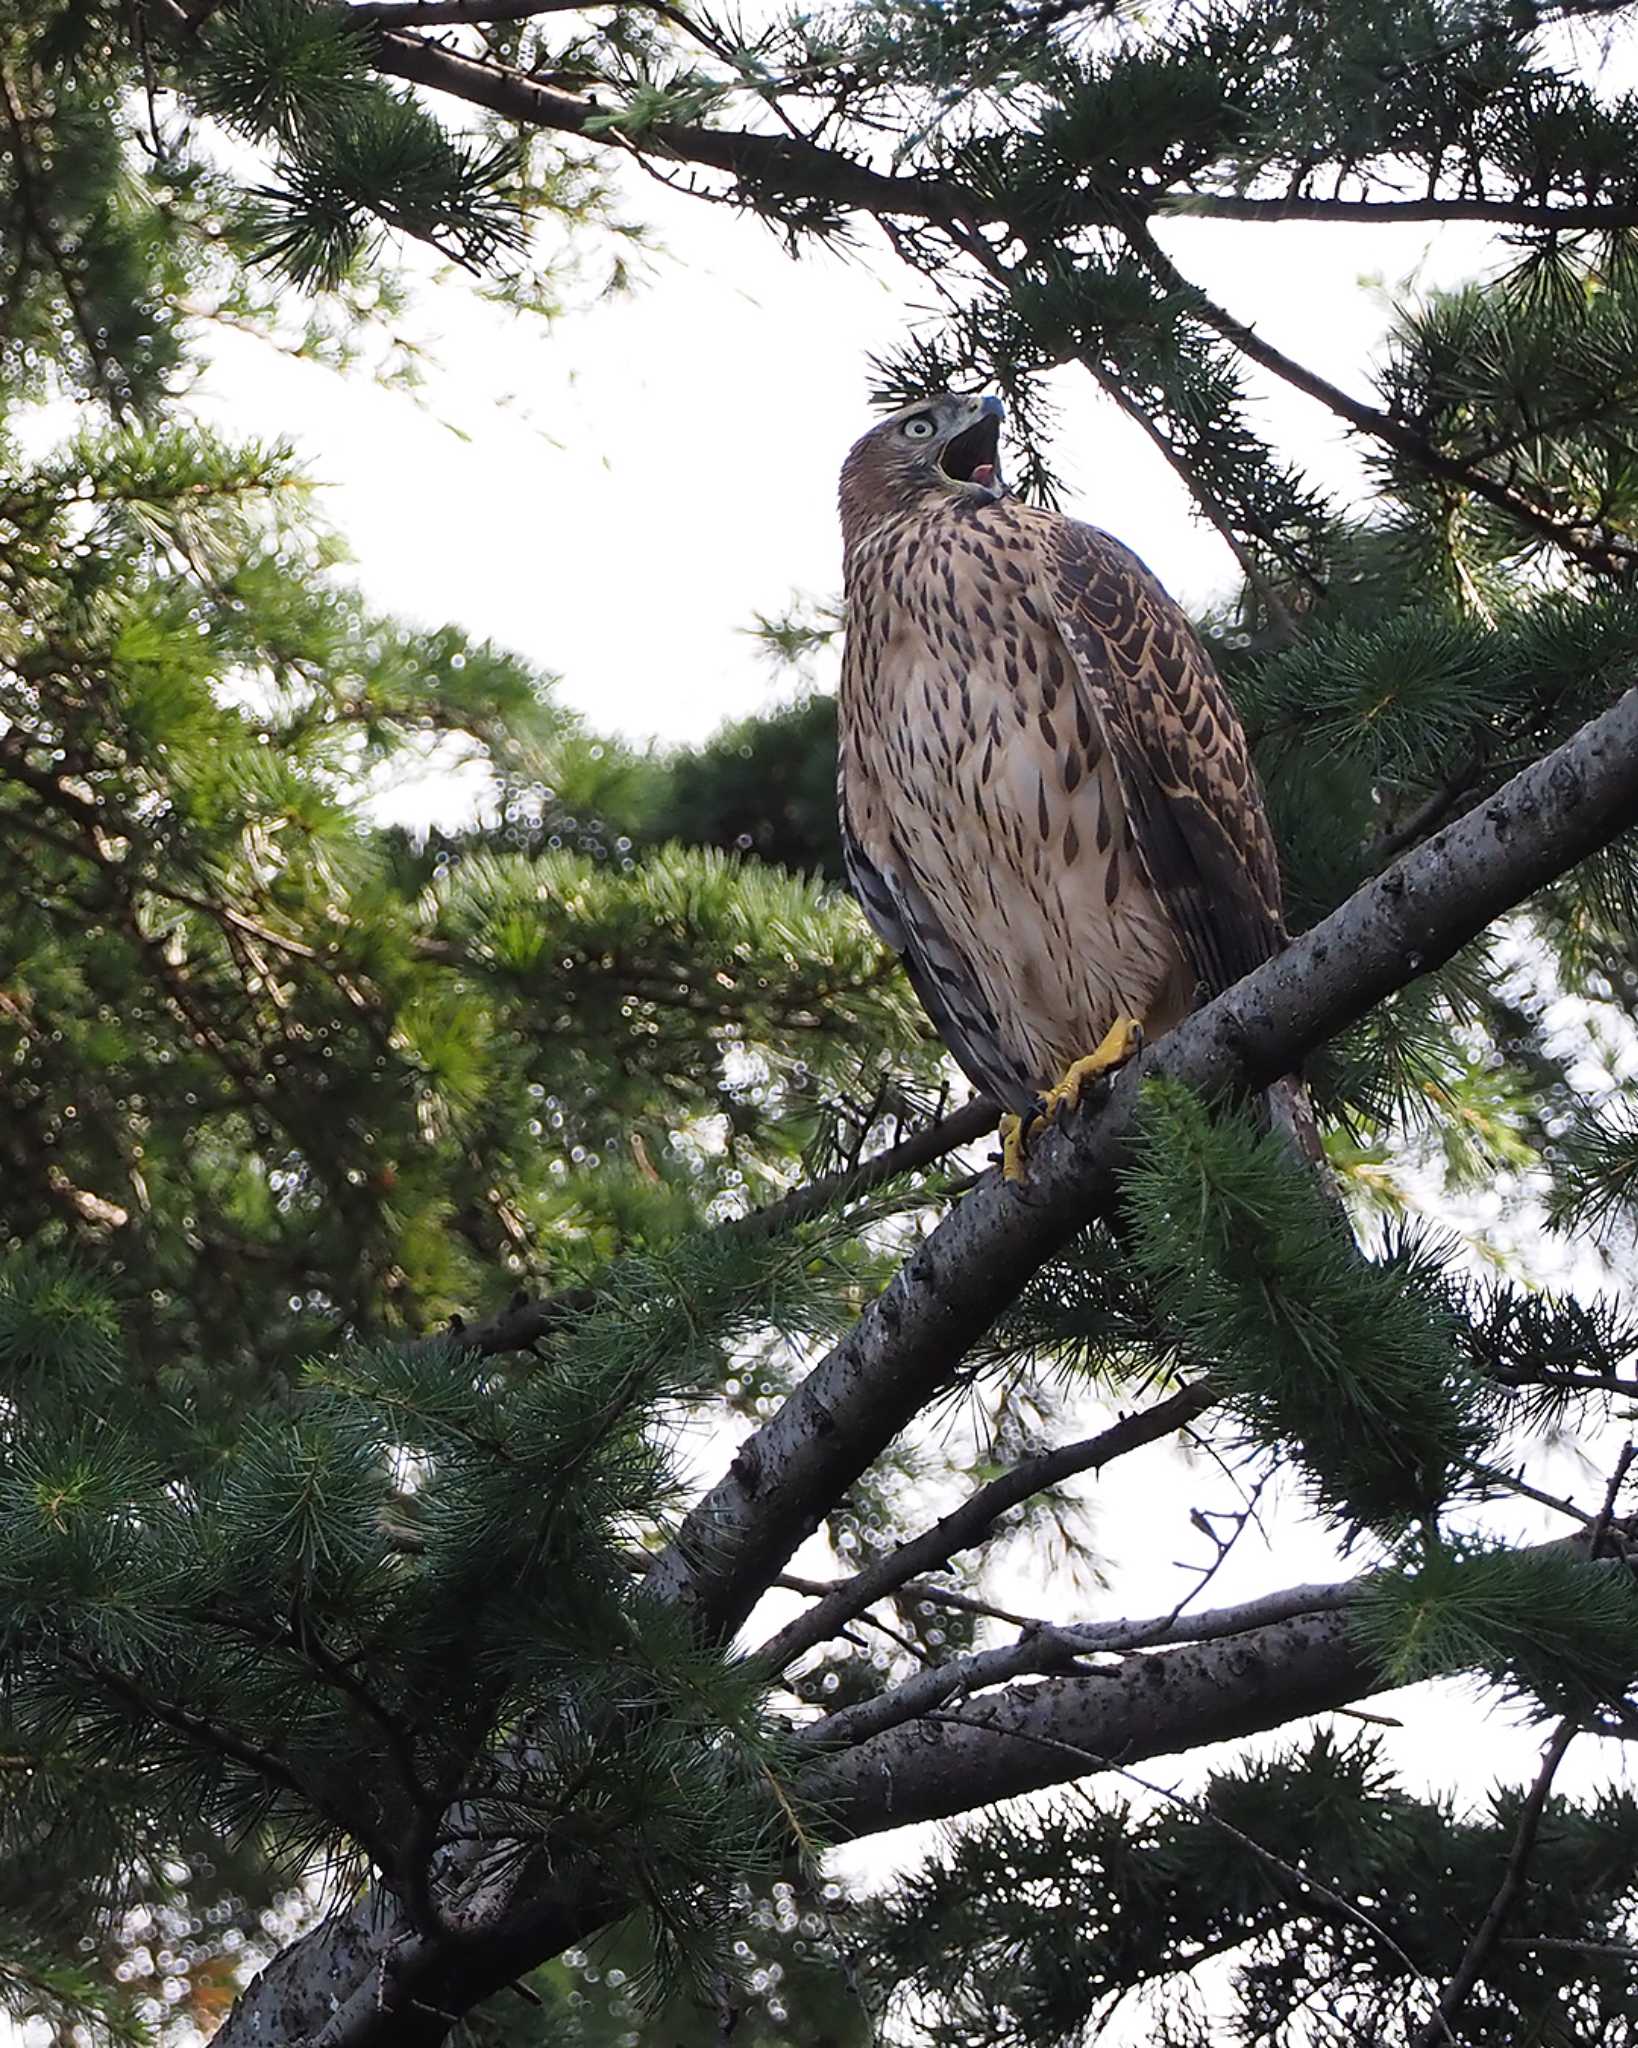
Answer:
(1047, 803)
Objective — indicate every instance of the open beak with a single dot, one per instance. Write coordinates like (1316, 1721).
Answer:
(973, 457)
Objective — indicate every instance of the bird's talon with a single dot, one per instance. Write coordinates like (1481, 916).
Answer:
(1122, 1042)
(1012, 1149)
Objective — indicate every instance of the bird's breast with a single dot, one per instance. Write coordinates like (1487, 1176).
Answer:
(980, 762)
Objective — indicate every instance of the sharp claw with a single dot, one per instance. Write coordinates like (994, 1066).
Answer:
(1121, 1043)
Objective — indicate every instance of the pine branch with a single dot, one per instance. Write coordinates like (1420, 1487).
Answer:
(916, 1589)
(523, 1323)
(950, 1760)
(777, 164)
(1567, 218)
(1460, 1988)
(198, 1728)
(1586, 1383)
(29, 199)
(975, 1517)
(1471, 1967)
(1607, 556)
(1045, 1649)
(451, 13)
(961, 1127)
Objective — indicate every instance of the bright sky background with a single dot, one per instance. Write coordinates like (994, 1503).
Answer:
(616, 493)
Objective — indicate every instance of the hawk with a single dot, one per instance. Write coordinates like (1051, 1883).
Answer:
(1047, 803)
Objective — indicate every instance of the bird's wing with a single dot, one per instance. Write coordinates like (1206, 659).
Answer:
(902, 915)
(1186, 778)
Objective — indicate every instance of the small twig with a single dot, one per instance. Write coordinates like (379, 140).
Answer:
(1242, 1518)
(1585, 1383)
(1528, 1492)
(916, 1589)
(972, 1520)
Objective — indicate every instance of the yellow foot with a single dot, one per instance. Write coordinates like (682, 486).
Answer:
(1121, 1042)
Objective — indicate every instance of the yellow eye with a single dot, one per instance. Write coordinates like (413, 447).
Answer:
(921, 428)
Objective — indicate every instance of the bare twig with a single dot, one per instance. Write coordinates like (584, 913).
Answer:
(976, 1516)
(1514, 1483)
(1053, 1649)
(919, 1589)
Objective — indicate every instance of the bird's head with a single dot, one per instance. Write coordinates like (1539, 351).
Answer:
(944, 447)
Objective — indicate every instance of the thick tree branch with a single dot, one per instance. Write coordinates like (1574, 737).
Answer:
(1047, 1650)
(906, 1348)
(1239, 1681)
(1157, 1705)
(907, 1345)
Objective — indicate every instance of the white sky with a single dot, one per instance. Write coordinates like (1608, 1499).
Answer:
(614, 494)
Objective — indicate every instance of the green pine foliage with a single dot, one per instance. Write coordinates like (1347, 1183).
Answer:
(1541, 1625)
(1348, 1365)
(1307, 1880)
(249, 1035)
(314, 1638)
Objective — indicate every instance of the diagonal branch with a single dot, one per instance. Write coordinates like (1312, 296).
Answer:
(906, 1347)
(1607, 556)
(524, 1323)
(972, 1521)
(774, 164)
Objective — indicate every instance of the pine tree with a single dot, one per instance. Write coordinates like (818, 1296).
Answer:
(380, 1217)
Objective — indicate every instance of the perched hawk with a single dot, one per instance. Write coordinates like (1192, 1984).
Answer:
(1047, 804)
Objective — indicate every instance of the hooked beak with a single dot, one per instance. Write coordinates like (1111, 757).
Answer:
(973, 456)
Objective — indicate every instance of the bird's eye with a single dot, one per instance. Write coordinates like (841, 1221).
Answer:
(919, 428)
